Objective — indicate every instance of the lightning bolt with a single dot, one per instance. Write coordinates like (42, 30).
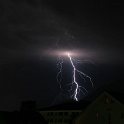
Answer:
(78, 88)
(74, 84)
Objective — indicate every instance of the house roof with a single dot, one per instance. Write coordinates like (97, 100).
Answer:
(118, 96)
(81, 105)
(107, 95)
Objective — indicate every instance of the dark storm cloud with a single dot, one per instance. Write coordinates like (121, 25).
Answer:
(26, 29)
(96, 25)
(31, 27)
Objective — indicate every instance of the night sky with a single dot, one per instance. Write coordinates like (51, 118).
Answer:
(29, 29)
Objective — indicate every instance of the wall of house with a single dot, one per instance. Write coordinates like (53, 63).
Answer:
(60, 117)
(104, 111)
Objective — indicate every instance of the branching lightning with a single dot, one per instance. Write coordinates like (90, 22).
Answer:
(74, 79)
(76, 87)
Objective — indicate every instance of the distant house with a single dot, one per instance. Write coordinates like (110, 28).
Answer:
(63, 113)
(104, 110)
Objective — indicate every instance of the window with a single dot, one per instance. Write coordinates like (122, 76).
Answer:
(69, 120)
(51, 113)
(60, 120)
(56, 120)
(78, 113)
(106, 100)
(66, 121)
(109, 116)
(97, 114)
(51, 120)
(60, 113)
(73, 113)
(122, 115)
(65, 113)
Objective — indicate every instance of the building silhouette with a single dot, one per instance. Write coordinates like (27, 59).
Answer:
(106, 109)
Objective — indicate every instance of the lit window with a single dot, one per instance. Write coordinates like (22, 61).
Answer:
(107, 100)
(97, 114)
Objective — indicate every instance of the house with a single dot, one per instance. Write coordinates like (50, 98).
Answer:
(63, 113)
(104, 110)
